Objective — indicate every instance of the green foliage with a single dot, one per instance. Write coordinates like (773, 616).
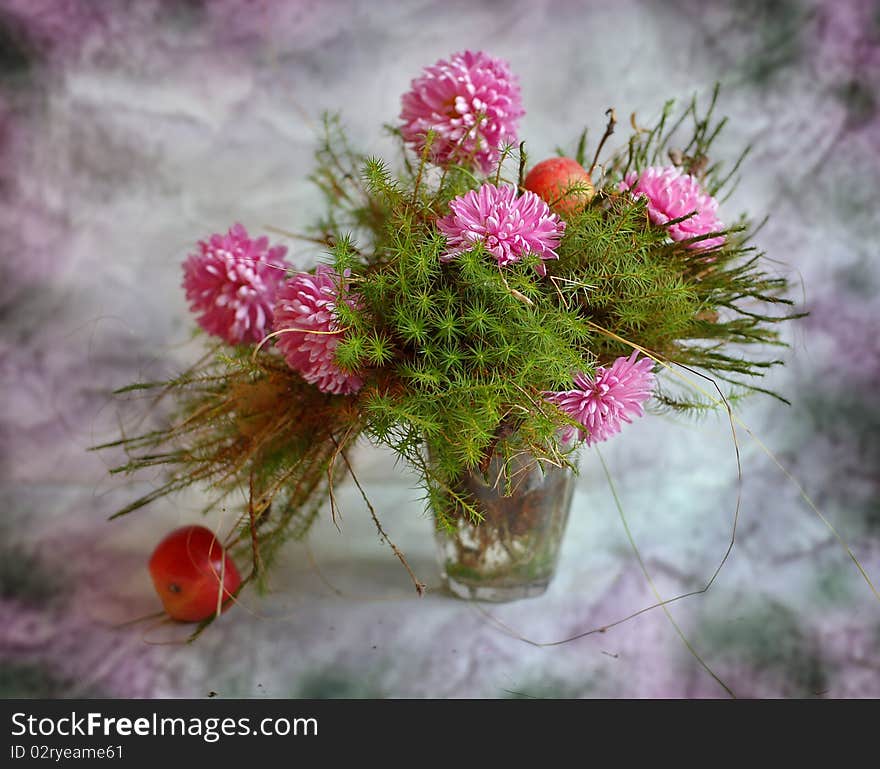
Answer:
(464, 348)
(456, 355)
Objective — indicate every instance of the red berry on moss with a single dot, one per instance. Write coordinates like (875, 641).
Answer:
(562, 183)
(191, 571)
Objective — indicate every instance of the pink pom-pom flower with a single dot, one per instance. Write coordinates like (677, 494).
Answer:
(671, 194)
(601, 403)
(231, 282)
(471, 102)
(305, 316)
(509, 227)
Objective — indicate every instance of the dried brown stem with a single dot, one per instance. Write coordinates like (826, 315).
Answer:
(609, 129)
(255, 540)
(420, 586)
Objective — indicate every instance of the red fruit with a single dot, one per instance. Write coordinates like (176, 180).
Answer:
(563, 183)
(187, 568)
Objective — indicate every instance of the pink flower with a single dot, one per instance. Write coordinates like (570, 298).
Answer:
(613, 396)
(508, 226)
(672, 194)
(305, 313)
(232, 282)
(472, 104)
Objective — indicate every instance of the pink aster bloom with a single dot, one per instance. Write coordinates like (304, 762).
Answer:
(671, 194)
(601, 403)
(508, 226)
(305, 313)
(472, 104)
(231, 282)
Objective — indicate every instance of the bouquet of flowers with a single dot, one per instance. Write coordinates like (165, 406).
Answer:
(480, 316)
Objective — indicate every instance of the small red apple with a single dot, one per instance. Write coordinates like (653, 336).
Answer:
(187, 568)
(562, 183)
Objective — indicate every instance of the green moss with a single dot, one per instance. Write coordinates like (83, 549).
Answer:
(540, 566)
